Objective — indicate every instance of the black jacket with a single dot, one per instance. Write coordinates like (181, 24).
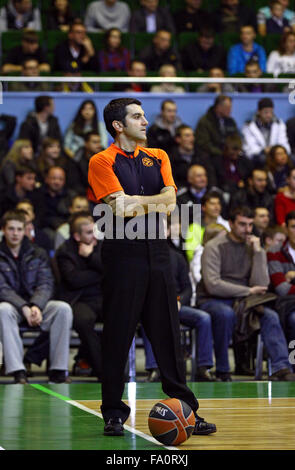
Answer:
(54, 211)
(80, 277)
(8, 124)
(164, 21)
(251, 198)
(194, 58)
(291, 133)
(181, 166)
(63, 59)
(29, 283)
(154, 61)
(190, 22)
(245, 17)
(30, 130)
(9, 199)
(244, 169)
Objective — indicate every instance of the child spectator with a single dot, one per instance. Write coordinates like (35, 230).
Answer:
(277, 24)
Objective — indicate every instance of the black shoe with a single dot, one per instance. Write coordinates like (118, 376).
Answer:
(58, 377)
(203, 375)
(243, 370)
(114, 427)
(153, 375)
(223, 376)
(283, 375)
(20, 377)
(202, 428)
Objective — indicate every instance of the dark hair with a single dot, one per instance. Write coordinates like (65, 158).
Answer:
(68, 13)
(270, 232)
(243, 211)
(165, 102)
(210, 195)
(289, 216)
(24, 170)
(116, 111)
(283, 40)
(233, 139)
(207, 33)
(220, 99)
(74, 226)
(79, 121)
(181, 128)
(106, 39)
(270, 159)
(76, 22)
(41, 102)
(89, 134)
(30, 36)
(265, 103)
(15, 214)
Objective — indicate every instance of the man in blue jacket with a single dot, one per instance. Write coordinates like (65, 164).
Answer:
(26, 287)
(247, 50)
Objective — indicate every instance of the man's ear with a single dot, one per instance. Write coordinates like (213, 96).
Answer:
(76, 237)
(118, 126)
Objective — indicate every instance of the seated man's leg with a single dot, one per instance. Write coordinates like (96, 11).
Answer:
(10, 338)
(195, 318)
(57, 319)
(274, 340)
(150, 361)
(223, 322)
(290, 333)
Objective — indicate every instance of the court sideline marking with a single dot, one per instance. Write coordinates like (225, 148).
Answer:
(43, 389)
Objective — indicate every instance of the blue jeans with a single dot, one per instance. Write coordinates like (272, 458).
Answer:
(223, 323)
(193, 318)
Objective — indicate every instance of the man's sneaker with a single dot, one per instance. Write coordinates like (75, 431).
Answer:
(223, 376)
(58, 377)
(202, 428)
(114, 427)
(20, 377)
(284, 375)
(203, 375)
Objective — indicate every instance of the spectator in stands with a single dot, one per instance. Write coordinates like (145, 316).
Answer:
(30, 68)
(253, 70)
(55, 200)
(167, 70)
(78, 204)
(77, 47)
(151, 18)
(231, 15)
(264, 131)
(136, 69)
(285, 199)
(41, 123)
(213, 128)
(277, 23)
(59, 16)
(192, 17)
(162, 132)
(264, 14)
(113, 56)
(246, 50)
(232, 168)
(20, 154)
(86, 120)
(92, 145)
(203, 54)
(255, 194)
(211, 214)
(32, 231)
(23, 188)
(160, 52)
(278, 163)
(73, 70)
(80, 268)
(30, 300)
(20, 14)
(50, 155)
(7, 127)
(196, 186)
(261, 221)
(283, 59)
(223, 282)
(105, 14)
(220, 88)
(28, 49)
(273, 236)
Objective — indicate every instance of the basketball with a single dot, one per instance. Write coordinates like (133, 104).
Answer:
(171, 421)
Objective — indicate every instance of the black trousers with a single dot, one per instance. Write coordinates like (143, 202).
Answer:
(138, 286)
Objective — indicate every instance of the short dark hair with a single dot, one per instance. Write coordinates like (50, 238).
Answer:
(211, 195)
(265, 103)
(243, 211)
(165, 102)
(75, 226)
(24, 170)
(220, 99)
(116, 110)
(207, 33)
(289, 216)
(181, 128)
(16, 214)
(270, 232)
(31, 37)
(41, 102)
(90, 134)
(233, 140)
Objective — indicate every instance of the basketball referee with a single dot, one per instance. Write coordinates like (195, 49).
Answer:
(138, 285)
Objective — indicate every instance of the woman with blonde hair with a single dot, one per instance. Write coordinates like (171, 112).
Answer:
(20, 154)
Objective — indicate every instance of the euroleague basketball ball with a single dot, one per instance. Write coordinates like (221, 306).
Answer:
(171, 421)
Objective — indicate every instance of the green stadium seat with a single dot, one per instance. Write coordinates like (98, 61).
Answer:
(227, 40)
(54, 38)
(108, 86)
(13, 38)
(141, 40)
(271, 42)
(186, 38)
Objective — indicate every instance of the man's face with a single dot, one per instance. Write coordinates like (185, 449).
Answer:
(253, 71)
(206, 42)
(259, 181)
(212, 207)
(247, 35)
(78, 34)
(232, 151)
(162, 40)
(261, 219)
(197, 177)
(216, 73)
(135, 123)
(266, 115)
(291, 231)
(25, 206)
(225, 108)
(79, 204)
(27, 181)
(86, 236)
(242, 228)
(30, 47)
(169, 113)
(14, 232)
(93, 145)
(186, 140)
(31, 68)
(55, 179)
(150, 5)
(138, 69)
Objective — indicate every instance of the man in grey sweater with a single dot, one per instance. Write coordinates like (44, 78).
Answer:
(106, 14)
(234, 266)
